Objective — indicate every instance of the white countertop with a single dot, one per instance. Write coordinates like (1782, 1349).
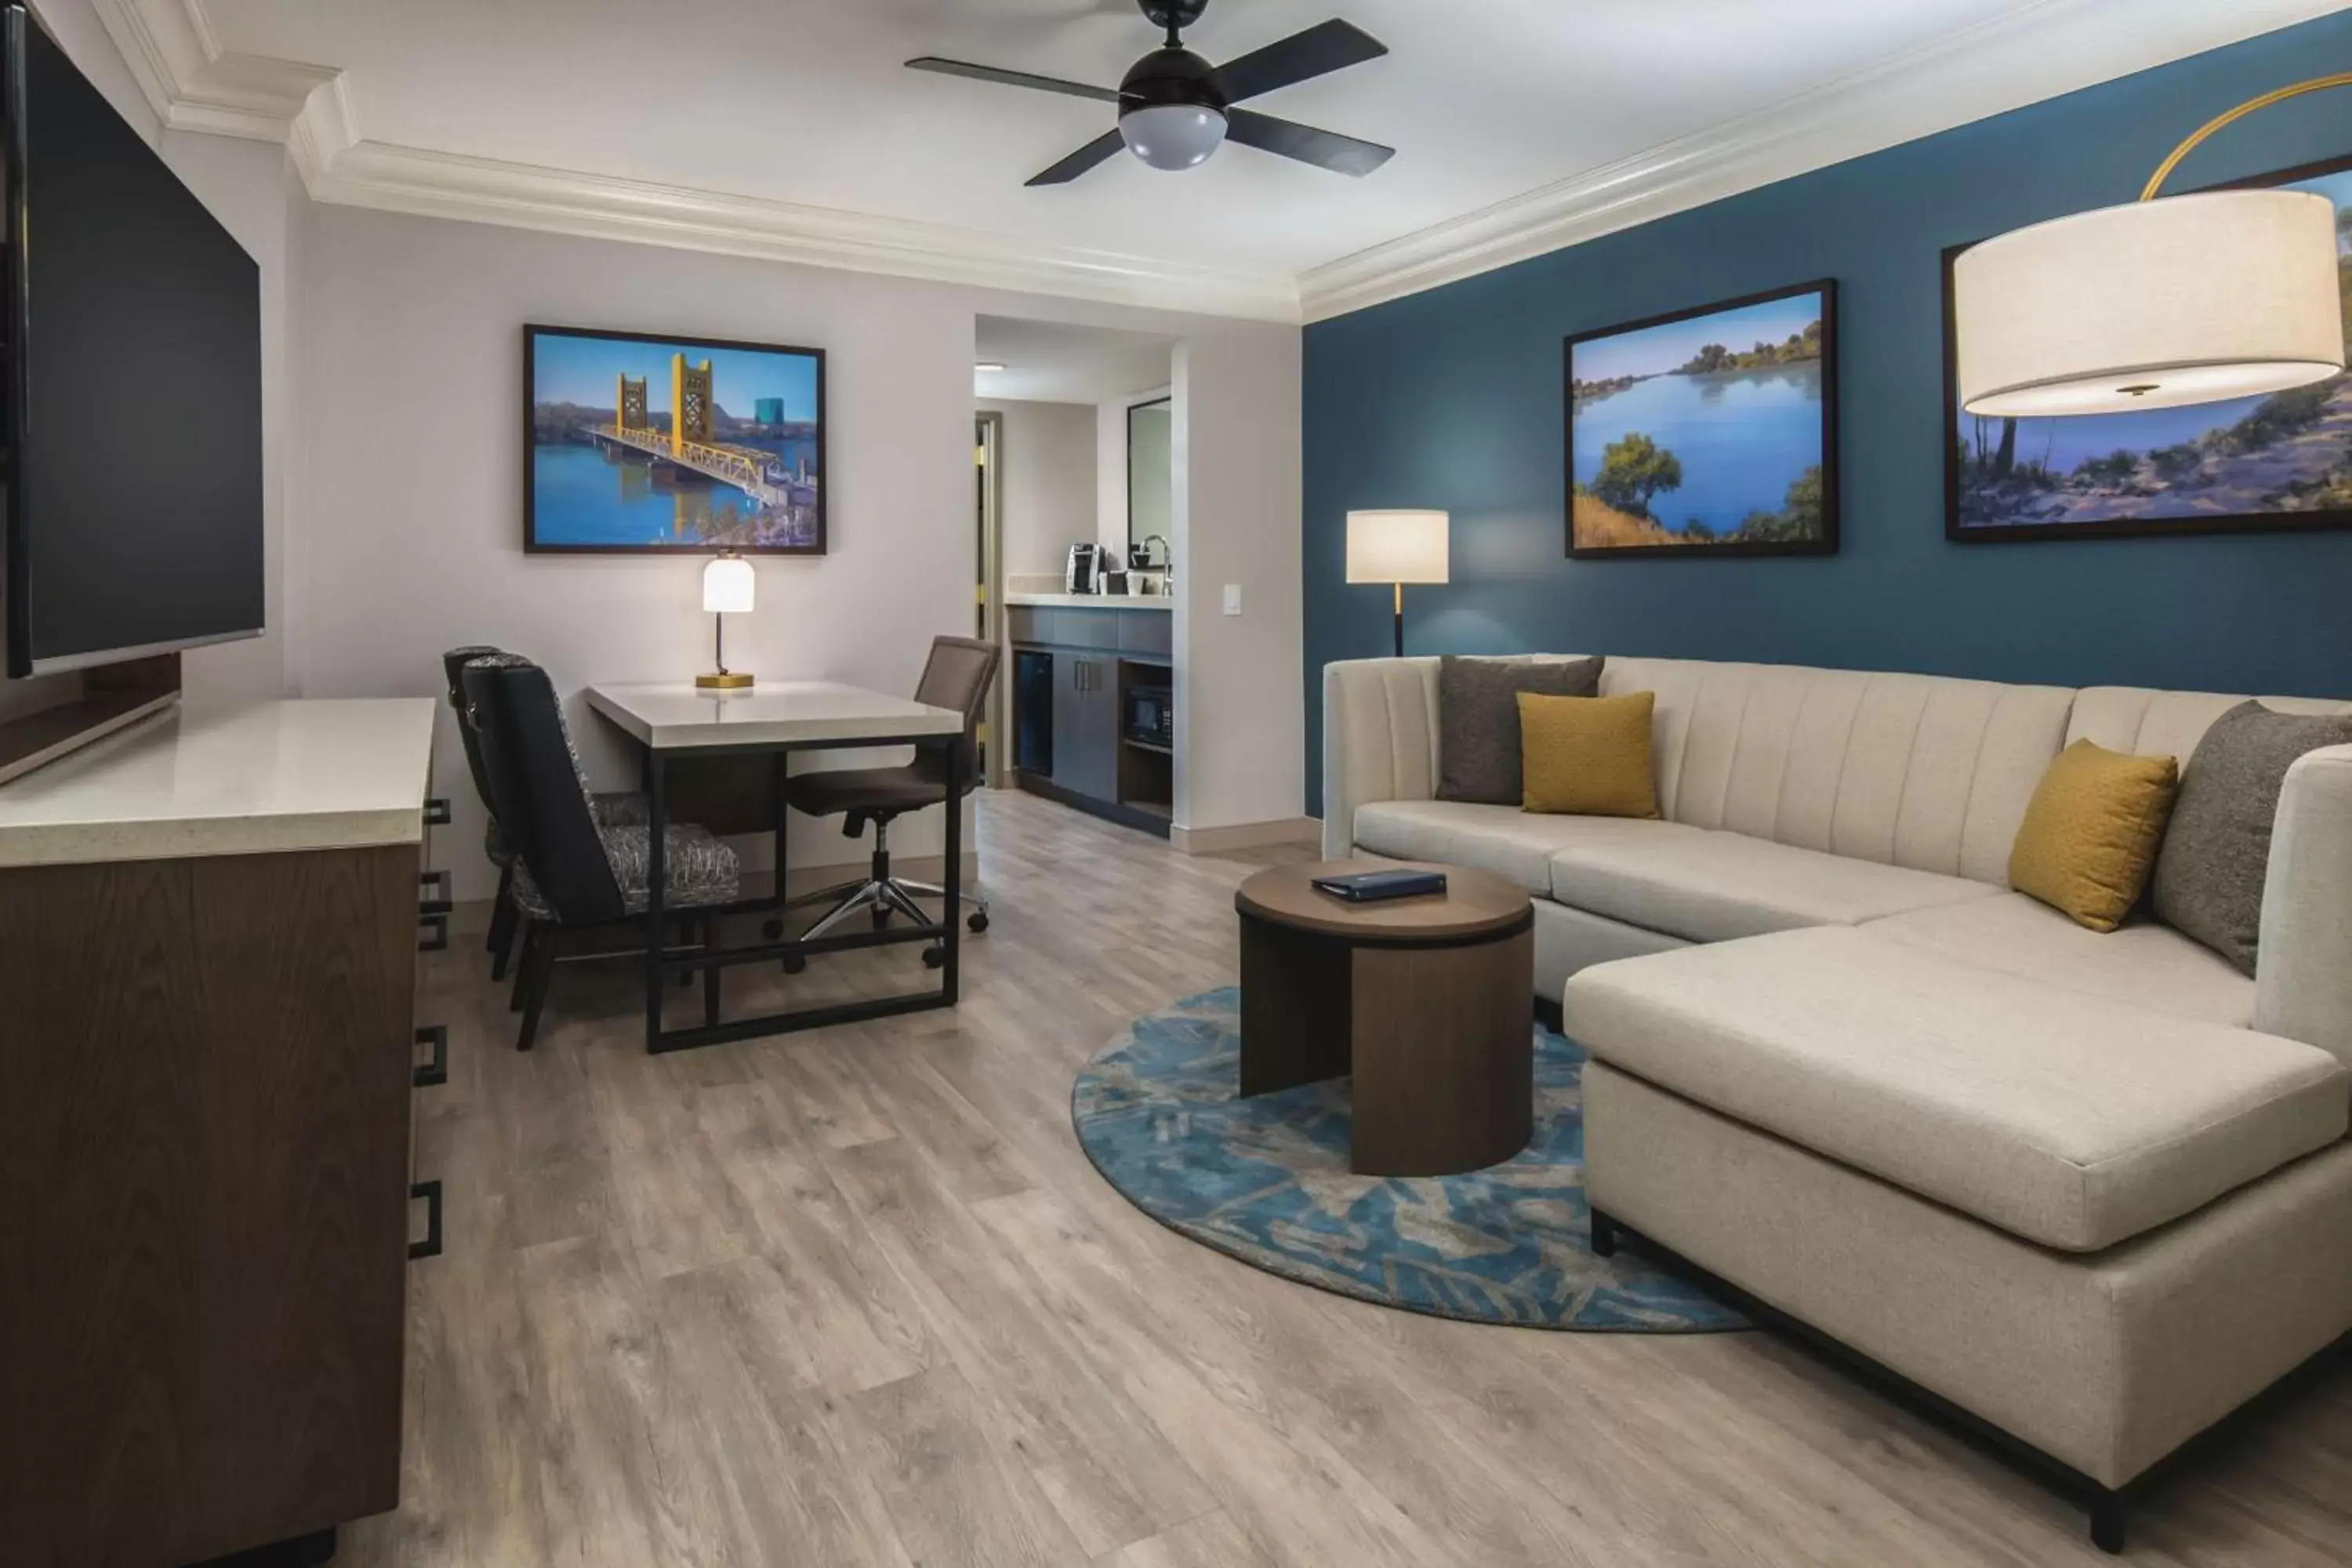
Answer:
(269, 777)
(1097, 601)
(668, 714)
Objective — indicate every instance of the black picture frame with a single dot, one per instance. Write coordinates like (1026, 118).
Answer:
(2334, 519)
(1132, 410)
(1832, 485)
(533, 545)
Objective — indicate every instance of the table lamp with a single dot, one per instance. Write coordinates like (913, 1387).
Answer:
(2175, 301)
(727, 586)
(1396, 548)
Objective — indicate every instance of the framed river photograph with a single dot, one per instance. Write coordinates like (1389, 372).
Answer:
(637, 443)
(2252, 464)
(1707, 432)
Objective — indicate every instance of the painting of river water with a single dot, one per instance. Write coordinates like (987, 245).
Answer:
(641, 443)
(1711, 431)
(2248, 465)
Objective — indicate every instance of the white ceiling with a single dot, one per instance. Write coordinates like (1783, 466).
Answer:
(1052, 362)
(694, 120)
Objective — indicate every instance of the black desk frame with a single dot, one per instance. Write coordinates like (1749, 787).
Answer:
(660, 963)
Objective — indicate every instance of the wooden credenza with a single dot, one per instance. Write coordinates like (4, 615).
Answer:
(208, 935)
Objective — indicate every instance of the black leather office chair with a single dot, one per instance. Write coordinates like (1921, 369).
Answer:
(957, 675)
(571, 872)
(615, 809)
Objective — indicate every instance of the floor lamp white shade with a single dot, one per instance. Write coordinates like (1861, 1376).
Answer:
(2163, 303)
(1397, 546)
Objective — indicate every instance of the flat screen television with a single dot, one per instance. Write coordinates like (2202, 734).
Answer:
(131, 375)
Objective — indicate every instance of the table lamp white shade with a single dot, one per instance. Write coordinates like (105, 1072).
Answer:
(2185, 299)
(727, 586)
(1397, 546)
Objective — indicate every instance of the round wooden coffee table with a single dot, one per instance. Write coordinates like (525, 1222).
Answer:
(1427, 1001)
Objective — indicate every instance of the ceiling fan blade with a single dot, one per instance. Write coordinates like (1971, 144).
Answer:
(1328, 46)
(1324, 149)
(1099, 150)
(1013, 78)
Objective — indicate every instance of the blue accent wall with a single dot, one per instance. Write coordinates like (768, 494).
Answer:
(1451, 398)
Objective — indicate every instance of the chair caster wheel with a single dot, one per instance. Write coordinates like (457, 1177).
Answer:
(794, 963)
(977, 922)
(881, 918)
(934, 957)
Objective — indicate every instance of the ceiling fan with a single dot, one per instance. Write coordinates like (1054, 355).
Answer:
(1175, 108)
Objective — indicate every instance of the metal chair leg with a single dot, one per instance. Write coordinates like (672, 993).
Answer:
(861, 899)
(501, 919)
(530, 930)
(538, 969)
(893, 895)
(933, 890)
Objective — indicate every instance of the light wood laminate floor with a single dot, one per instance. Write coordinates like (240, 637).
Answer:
(857, 1297)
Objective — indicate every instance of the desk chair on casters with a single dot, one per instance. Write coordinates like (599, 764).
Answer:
(956, 676)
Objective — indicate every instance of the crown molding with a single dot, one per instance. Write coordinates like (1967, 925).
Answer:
(2007, 63)
(2023, 57)
(451, 185)
(192, 85)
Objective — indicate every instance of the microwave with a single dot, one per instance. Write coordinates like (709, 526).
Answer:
(1151, 715)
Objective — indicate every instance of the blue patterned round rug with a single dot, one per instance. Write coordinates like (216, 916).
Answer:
(1267, 1181)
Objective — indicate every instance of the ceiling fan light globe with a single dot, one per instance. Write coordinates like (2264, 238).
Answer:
(1173, 135)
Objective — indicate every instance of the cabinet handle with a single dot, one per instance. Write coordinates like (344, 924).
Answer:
(438, 941)
(435, 885)
(431, 1245)
(436, 811)
(433, 1073)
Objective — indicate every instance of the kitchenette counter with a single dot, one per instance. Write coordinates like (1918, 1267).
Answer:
(1094, 601)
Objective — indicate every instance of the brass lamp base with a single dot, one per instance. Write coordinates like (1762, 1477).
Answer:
(724, 680)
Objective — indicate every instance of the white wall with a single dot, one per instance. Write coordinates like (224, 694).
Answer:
(252, 189)
(1047, 457)
(412, 371)
(1237, 411)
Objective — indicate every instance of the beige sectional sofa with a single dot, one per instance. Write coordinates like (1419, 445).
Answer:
(2093, 1191)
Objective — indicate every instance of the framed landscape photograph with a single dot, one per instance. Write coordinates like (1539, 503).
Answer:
(2251, 465)
(1707, 432)
(638, 443)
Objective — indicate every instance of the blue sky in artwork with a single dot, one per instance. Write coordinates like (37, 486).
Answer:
(1655, 350)
(582, 371)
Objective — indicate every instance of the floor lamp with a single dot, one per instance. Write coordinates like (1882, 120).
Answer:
(1397, 548)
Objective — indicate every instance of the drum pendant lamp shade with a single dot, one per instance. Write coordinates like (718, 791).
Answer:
(2186, 299)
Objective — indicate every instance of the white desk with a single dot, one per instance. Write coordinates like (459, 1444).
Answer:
(675, 715)
(675, 718)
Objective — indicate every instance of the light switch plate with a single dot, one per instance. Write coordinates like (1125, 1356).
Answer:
(1232, 598)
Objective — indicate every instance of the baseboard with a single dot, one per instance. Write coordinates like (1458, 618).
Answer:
(1246, 836)
(473, 915)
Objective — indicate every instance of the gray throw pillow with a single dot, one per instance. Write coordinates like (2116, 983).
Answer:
(1479, 719)
(2209, 873)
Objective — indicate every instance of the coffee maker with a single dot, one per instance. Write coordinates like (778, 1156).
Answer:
(1088, 563)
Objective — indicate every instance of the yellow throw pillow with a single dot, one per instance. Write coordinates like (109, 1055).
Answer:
(2092, 831)
(1588, 755)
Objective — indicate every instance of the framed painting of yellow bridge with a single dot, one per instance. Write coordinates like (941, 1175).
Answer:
(665, 445)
